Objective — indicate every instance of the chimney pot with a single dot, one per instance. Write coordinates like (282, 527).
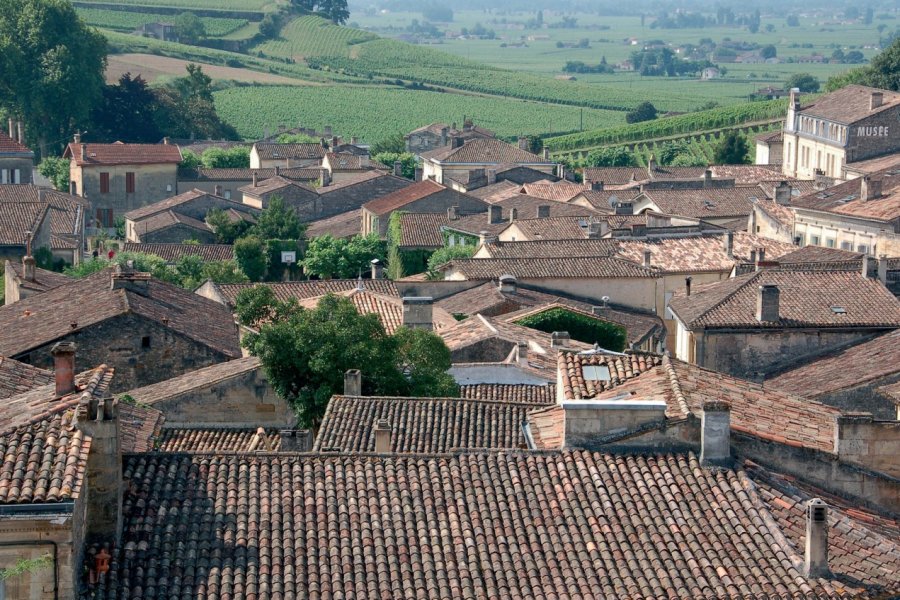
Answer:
(546, 154)
(882, 268)
(522, 354)
(444, 133)
(707, 178)
(560, 339)
(767, 304)
(715, 433)
(816, 558)
(382, 436)
(508, 284)
(77, 138)
(417, 312)
(64, 367)
(29, 267)
(353, 383)
(647, 255)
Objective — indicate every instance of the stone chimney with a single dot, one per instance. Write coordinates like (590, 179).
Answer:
(453, 213)
(543, 211)
(521, 354)
(277, 171)
(868, 267)
(815, 563)
(546, 154)
(295, 440)
(456, 142)
(767, 304)
(495, 214)
(353, 382)
(419, 172)
(782, 194)
(760, 256)
(398, 168)
(99, 419)
(21, 126)
(753, 257)
(29, 265)
(84, 152)
(76, 138)
(255, 179)
(444, 133)
(485, 237)
(596, 186)
(377, 269)
(513, 214)
(326, 131)
(651, 166)
(560, 339)
(875, 100)
(508, 284)
(417, 312)
(383, 436)
(707, 178)
(869, 189)
(597, 229)
(715, 433)
(751, 225)
(354, 140)
(64, 367)
(324, 178)
(728, 238)
(883, 268)
(133, 282)
(687, 285)
(12, 129)
(523, 143)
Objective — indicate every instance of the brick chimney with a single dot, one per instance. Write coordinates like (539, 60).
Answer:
(782, 194)
(508, 284)
(728, 239)
(495, 214)
(875, 100)
(377, 269)
(383, 436)
(543, 211)
(417, 312)
(869, 189)
(99, 419)
(64, 367)
(707, 178)
(353, 382)
(295, 440)
(560, 339)
(767, 304)
(815, 563)
(715, 433)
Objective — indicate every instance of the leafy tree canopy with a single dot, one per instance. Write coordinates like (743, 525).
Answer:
(644, 111)
(278, 221)
(444, 255)
(615, 156)
(189, 28)
(804, 81)
(732, 149)
(328, 257)
(237, 157)
(407, 160)
(56, 169)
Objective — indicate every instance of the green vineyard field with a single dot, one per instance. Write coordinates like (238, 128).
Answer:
(129, 21)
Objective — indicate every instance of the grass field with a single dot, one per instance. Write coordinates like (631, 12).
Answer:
(374, 113)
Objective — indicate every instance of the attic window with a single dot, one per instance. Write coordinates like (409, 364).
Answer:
(839, 310)
(595, 373)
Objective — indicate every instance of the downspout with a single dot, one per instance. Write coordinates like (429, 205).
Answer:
(55, 554)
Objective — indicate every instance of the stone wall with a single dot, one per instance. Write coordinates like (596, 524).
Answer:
(865, 141)
(152, 183)
(864, 398)
(120, 343)
(870, 444)
(423, 141)
(25, 166)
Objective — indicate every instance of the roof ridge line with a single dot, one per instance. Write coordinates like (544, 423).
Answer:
(675, 384)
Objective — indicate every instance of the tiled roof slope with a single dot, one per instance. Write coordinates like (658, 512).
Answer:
(422, 230)
(216, 440)
(806, 300)
(162, 220)
(552, 248)
(66, 212)
(553, 228)
(388, 308)
(844, 199)
(422, 425)
(292, 151)
(38, 320)
(123, 154)
(816, 254)
(509, 392)
(167, 204)
(706, 203)
(308, 289)
(172, 252)
(18, 218)
(18, 377)
(273, 184)
(480, 525)
(849, 104)
(400, 198)
(185, 384)
(342, 225)
(484, 151)
(295, 173)
(561, 191)
(622, 367)
(9, 146)
(843, 369)
(139, 426)
(553, 268)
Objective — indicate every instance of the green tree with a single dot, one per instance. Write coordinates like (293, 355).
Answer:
(394, 143)
(360, 250)
(804, 81)
(237, 157)
(296, 138)
(52, 67)
(768, 51)
(885, 68)
(190, 161)
(227, 230)
(324, 256)
(189, 28)
(278, 221)
(444, 255)
(793, 21)
(223, 271)
(250, 255)
(644, 111)
(255, 305)
(732, 149)
(407, 161)
(187, 108)
(424, 359)
(57, 171)
(127, 113)
(614, 156)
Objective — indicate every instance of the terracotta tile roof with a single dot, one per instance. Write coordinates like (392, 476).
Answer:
(554, 268)
(219, 439)
(807, 299)
(350, 162)
(165, 205)
(849, 104)
(693, 254)
(561, 191)
(18, 218)
(10, 147)
(892, 390)
(388, 308)
(552, 248)
(844, 199)
(509, 392)
(553, 228)
(311, 150)
(479, 525)
(123, 154)
(706, 203)
(422, 230)
(436, 128)
(863, 547)
(272, 185)
(622, 367)
(194, 380)
(770, 137)
(172, 252)
(615, 175)
(308, 289)
(602, 200)
(843, 369)
(400, 198)
(43, 280)
(497, 191)
(343, 225)
(18, 377)
(818, 254)
(484, 151)
(872, 165)
(163, 220)
(139, 426)
(422, 425)
(33, 322)
(779, 212)
(295, 173)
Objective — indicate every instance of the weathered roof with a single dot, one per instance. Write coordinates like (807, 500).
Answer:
(123, 154)
(166, 204)
(18, 377)
(400, 198)
(553, 228)
(818, 254)
(311, 150)
(479, 525)
(483, 151)
(422, 230)
(622, 367)
(10, 147)
(849, 104)
(33, 322)
(561, 191)
(43, 279)
(509, 392)
(706, 203)
(18, 218)
(807, 298)
(308, 289)
(169, 218)
(422, 425)
(552, 248)
(552, 268)
(844, 199)
(343, 225)
(139, 427)
(273, 184)
(217, 439)
(194, 380)
(246, 174)
(172, 252)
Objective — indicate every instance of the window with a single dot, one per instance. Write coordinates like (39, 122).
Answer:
(228, 194)
(104, 183)
(129, 183)
(145, 341)
(105, 217)
(169, 187)
(846, 246)
(17, 176)
(862, 248)
(814, 240)
(4, 176)
(829, 242)
(839, 310)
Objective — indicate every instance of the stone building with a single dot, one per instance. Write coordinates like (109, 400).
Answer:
(462, 156)
(16, 159)
(182, 217)
(854, 123)
(146, 329)
(421, 197)
(437, 135)
(769, 148)
(265, 155)
(117, 178)
(225, 182)
(24, 279)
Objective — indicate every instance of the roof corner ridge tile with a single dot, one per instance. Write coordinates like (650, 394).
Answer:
(675, 385)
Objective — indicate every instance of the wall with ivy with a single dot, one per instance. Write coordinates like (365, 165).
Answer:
(580, 327)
